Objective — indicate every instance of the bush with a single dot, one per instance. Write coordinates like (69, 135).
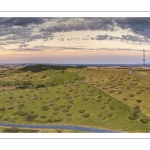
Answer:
(81, 111)
(65, 110)
(11, 130)
(44, 108)
(99, 100)
(58, 120)
(86, 115)
(20, 96)
(112, 108)
(133, 116)
(144, 120)
(10, 97)
(132, 95)
(10, 108)
(20, 113)
(59, 131)
(124, 99)
(100, 115)
(43, 116)
(85, 99)
(2, 109)
(55, 113)
(49, 120)
(20, 106)
(110, 91)
(56, 108)
(103, 107)
(110, 115)
(136, 109)
(139, 101)
(138, 92)
(69, 106)
(68, 114)
(31, 117)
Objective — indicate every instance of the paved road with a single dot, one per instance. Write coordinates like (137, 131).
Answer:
(88, 129)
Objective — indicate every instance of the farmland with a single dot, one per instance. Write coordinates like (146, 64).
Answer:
(106, 98)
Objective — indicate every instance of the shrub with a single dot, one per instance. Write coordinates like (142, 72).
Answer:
(99, 96)
(10, 108)
(20, 96)
(86, 115)
(58, 120)
(144, 120)
(65, 110)
(59, 131)
(43, 116)
(49, 120)
(62, 106)
(100, 115)
(132, 95)
(99, 100)
(85, 99)
(20, 113)
(110, 91)
(31, 117)
(124, 99)
(20, 106)
(44, 108)
(139, 101)
(103, 107)
(136, 109)
(56, 109)
(112, 108)
(138, 92)
(10, 97)
(110, 115)
(109, 99)
(68, 114)
(133, 116)
(81, 111)
(69, 106)
(55, 113)
(2, 109)
(32, 112)
(10, 130)
(104, 117)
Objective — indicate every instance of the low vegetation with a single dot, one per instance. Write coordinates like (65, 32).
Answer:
(102, 98)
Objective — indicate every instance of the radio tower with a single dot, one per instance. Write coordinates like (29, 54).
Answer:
(144, 59)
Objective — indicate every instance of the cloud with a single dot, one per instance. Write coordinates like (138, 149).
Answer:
(102, 37)
(20, 31)
(139, 25)
(80, 24)
(23, 22)
(125, 38)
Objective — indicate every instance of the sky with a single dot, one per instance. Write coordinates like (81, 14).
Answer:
(71, 40)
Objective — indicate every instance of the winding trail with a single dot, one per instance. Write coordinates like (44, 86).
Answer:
(67, 127)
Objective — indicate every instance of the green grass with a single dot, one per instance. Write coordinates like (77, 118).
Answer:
(76, 96)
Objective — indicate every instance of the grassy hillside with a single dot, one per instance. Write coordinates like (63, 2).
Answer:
(75, 96)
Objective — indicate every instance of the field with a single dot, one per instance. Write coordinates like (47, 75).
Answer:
(106, 98)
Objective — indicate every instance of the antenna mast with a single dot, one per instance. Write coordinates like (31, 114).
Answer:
(144, 59)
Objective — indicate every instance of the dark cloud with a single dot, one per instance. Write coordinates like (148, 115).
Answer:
(102, 37)
(125, 38)
(23, 22)
(138, 25)
(23, 30)
(92, 38)
(80, 24)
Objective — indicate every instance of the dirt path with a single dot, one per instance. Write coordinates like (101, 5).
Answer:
(7, 87)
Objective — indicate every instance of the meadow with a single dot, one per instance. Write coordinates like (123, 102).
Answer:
(107, 98)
